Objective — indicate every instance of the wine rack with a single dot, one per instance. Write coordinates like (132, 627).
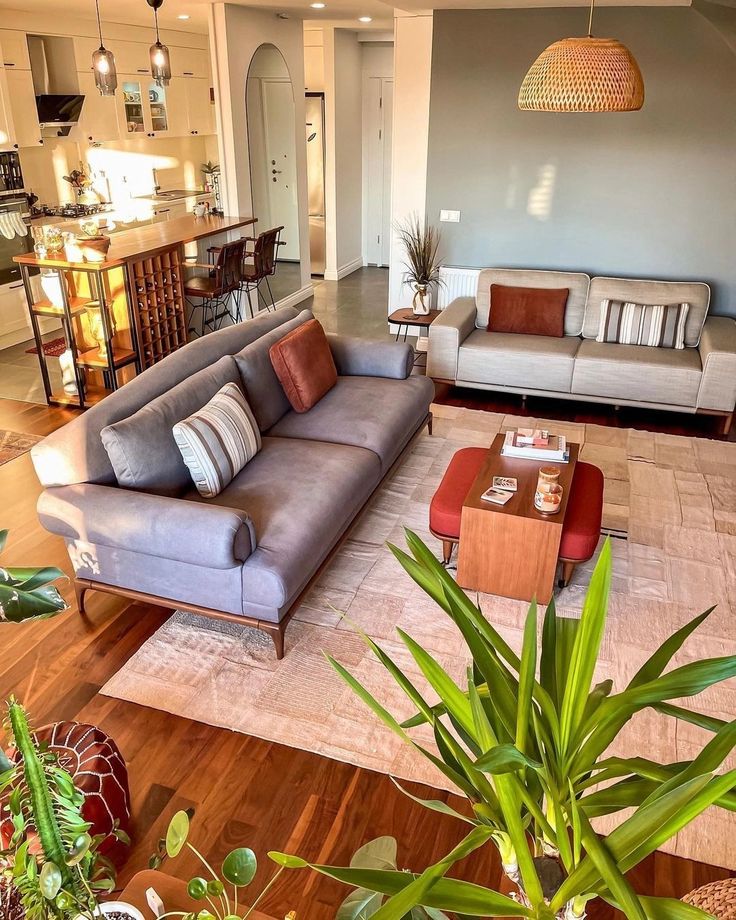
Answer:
(156, 285)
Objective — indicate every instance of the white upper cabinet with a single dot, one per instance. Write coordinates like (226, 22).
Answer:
(99, 118)
(190, 62)
(7, 134)
(14, 48)
(22, 96)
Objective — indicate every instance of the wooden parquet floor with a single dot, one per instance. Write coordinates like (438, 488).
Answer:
(245, 791)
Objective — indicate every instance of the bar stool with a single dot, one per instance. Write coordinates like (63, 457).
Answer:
(264, 255)
(224, 279)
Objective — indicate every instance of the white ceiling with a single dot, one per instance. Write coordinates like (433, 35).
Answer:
(344, 12)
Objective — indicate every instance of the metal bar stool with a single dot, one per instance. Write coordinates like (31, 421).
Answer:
(264, 256)
(224, 279)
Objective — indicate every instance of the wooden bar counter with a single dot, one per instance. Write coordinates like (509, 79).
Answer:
(122, 314)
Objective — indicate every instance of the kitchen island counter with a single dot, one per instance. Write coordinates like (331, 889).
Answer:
(144, 242)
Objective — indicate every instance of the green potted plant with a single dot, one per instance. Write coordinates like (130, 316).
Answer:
(210, 171)
(421, 244)
(49, 865)
(221, 893)
(28, 593)
(525, 739)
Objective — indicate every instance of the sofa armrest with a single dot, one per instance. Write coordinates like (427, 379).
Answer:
(718, 356)
(359, 358)
(446, 335)
(170, 528)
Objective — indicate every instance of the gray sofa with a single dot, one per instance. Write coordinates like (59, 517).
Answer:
(699, 378)
(248, 554)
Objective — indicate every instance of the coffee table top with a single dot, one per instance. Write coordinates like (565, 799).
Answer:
(526, 473)
(407, 317)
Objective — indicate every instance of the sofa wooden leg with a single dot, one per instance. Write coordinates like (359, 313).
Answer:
(567, 571)
(276, 632)
(727, 421)
(447, 546)
(79, 591)
(429, 424)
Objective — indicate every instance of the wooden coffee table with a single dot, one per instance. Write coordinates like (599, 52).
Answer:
(512, 549)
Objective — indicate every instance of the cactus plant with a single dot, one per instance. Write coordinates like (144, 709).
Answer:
(51, 858)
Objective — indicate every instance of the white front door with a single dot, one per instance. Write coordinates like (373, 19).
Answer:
(278, 130)
(378, 192)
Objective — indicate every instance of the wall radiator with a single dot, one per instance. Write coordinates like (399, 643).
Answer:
(456, 282)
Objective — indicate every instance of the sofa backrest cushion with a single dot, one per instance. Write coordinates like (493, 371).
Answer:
(576, 282)
(142, 448)
(263, 391)
(75, 453)
(633, 290)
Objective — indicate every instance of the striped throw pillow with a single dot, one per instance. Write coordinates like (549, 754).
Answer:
(657, 325)
(218, 440)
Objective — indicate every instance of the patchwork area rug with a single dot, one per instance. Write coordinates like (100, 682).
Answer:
(670, 500)
(13, 444)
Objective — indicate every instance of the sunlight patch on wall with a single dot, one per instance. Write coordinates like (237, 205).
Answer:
(539, 203)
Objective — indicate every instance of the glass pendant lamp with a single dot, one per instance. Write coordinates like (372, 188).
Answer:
(103, 64)
(160, 61)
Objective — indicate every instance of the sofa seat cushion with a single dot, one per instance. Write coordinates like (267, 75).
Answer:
(378, 413)
(637, 373)
(533, 362)
(300, 495)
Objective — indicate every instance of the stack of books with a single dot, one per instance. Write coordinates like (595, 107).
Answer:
(535, 444)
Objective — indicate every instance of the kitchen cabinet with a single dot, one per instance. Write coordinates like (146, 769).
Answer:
(144, 107)
(7, 138)
(15, 324)
(26, 130)
(14, 49)
(190, 62)
(99, 119)
(132, 57)
(199, 109)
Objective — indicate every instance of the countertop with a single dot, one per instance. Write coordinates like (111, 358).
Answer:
(131, 245)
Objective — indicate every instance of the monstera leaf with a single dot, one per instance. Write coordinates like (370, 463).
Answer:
(28, 593)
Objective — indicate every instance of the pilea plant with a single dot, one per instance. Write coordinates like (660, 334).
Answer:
(238, 870)
(50, 857)
(525, 737)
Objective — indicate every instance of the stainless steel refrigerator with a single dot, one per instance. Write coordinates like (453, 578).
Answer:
(315, 105)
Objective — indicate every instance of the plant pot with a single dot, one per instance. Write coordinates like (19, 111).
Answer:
(420, 303)
(94, 248)
(119, 910)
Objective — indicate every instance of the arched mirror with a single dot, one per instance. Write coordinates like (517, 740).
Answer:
(272, 151)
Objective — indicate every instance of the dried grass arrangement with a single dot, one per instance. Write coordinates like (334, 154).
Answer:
(421, 241)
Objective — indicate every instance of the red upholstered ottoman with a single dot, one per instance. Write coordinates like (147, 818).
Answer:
(580, 531)
(582, 527)
(93, 760)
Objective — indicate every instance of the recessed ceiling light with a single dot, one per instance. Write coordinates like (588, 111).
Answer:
(365, 19)
(183, 16)
(317, 6)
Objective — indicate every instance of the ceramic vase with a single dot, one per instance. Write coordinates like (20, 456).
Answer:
(114, 907)
(68, 377)
(51, 285)
(421, 301)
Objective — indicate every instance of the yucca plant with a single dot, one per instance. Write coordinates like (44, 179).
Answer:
(525, 740)
(421, 241)
(50, 859)
(28, 593)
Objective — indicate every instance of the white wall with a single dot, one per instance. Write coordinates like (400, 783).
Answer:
(236, 33)
(412, 75)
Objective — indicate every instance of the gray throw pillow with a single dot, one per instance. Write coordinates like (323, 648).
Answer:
(142, 449)
(265, 394)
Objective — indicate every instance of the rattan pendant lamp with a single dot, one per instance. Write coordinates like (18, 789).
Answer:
(583, 75)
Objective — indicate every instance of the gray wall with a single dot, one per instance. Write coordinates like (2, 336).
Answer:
(650, 194)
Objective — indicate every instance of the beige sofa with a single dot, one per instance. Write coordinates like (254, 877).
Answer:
(699, 378)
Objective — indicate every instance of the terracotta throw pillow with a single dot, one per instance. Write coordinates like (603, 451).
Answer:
(528, 311)
(304, 365)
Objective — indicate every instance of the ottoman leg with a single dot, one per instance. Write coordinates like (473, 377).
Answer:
(447, 546)
(567, 572)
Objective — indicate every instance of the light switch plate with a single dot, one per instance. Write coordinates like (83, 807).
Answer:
(452, 217)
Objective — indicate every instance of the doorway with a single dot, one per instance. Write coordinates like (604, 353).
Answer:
(378, 111)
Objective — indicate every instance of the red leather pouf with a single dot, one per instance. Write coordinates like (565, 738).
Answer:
(93, 760)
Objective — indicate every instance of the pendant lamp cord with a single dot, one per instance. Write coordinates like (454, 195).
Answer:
(99, 24)
(590, 19)
(155, 19)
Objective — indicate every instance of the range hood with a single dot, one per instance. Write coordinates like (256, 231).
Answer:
(58, 111)
(58, 101)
